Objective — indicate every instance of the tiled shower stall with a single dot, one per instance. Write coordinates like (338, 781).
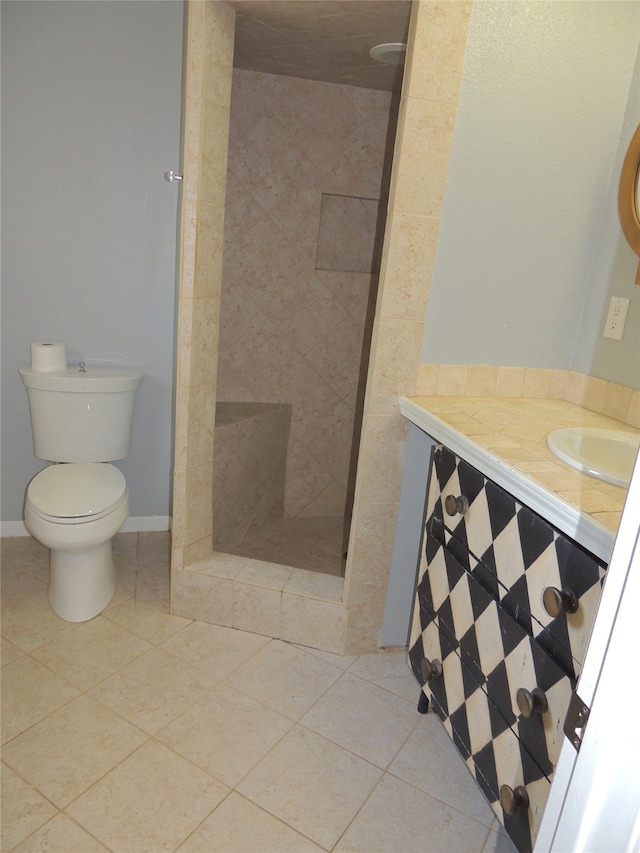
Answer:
(336, 615)
(305, 176)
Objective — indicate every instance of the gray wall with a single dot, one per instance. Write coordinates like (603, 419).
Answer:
(530, 197)
(91, 98)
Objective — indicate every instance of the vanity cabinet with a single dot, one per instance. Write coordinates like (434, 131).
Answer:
(502, 612)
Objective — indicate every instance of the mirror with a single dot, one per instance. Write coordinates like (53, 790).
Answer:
(628, 196)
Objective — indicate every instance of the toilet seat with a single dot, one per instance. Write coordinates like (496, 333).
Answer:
(76, 492)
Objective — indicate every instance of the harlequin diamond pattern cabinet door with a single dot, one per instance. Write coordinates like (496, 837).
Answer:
(508, 667)
(498, 654)
(519, 554)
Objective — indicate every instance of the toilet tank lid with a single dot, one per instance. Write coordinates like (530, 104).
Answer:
(93, 379)
(76, 490)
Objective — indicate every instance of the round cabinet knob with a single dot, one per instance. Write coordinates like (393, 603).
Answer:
(430, 669)
(512, 799)
(557, 601)
(531, 702)
(455, 506)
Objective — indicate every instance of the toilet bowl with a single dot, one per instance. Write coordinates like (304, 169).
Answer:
(75, 510)
(81, 420)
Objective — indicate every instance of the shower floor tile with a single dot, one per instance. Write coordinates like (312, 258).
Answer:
(314, 544)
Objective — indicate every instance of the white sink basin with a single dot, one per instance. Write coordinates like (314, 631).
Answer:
(606, 454)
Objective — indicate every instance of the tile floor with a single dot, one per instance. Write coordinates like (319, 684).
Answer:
(314, 544)
(140, 731)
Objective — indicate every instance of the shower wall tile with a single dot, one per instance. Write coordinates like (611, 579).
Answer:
(334, 357)
(290, 333)
(207, 599)
(191, 164)
(382, 457)
(372, 544)
(313, 479)
(181, 433)
(188, 238)
(201, 427)
(204, 342)
(330, 502)
(364, 616)
(422, 170)
(398, 344)
(256, 609)
(322, 623)
(195, 54)
(409, 261)
(219, 34)
(439, 51)
(209, 61)
(209, 241)
(425, 127)
(199, 490)
(185, 333)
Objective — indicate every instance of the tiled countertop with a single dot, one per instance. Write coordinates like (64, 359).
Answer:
(505, 438)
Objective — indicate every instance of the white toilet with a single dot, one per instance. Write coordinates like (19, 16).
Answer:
(82, 418)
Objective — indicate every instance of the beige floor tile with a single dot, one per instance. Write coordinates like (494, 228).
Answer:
(390, 670)
(25, 554)
(239, 733)
(363, 718)
(428, 762)
(341, 661)
(29, 693)
(9, 653)
(498, 842)
(23, 809)
(150, 802)
(154, 548)
(126, 573)
(27, 618)
(239, 825)
(19, 588)
(125, 545)
(153, 582)
(151, 625)
(91, 651)
(311, 784)
(398, 816)
(58, 835)
(285, 678)
(153, 690)
(213, 648)
(71, 749)
(221, 704)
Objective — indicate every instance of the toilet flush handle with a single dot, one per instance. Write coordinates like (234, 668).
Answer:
(171, 176)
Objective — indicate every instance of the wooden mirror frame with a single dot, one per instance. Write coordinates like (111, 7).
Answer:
(628, 196)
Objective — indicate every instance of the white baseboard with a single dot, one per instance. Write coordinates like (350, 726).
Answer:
(146, 523)
(134, 524)
(13, 528)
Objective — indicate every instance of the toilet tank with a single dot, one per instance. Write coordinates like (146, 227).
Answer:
(81, 416)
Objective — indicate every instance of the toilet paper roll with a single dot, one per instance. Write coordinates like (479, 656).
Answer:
(47, 357)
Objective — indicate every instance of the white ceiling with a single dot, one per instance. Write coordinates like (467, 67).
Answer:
(322, 40)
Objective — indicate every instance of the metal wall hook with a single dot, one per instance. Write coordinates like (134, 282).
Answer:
(171, 176)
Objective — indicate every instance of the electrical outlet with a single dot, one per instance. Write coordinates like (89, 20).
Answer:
(616, 318)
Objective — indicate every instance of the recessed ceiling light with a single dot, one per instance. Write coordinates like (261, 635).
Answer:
(392, 53)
